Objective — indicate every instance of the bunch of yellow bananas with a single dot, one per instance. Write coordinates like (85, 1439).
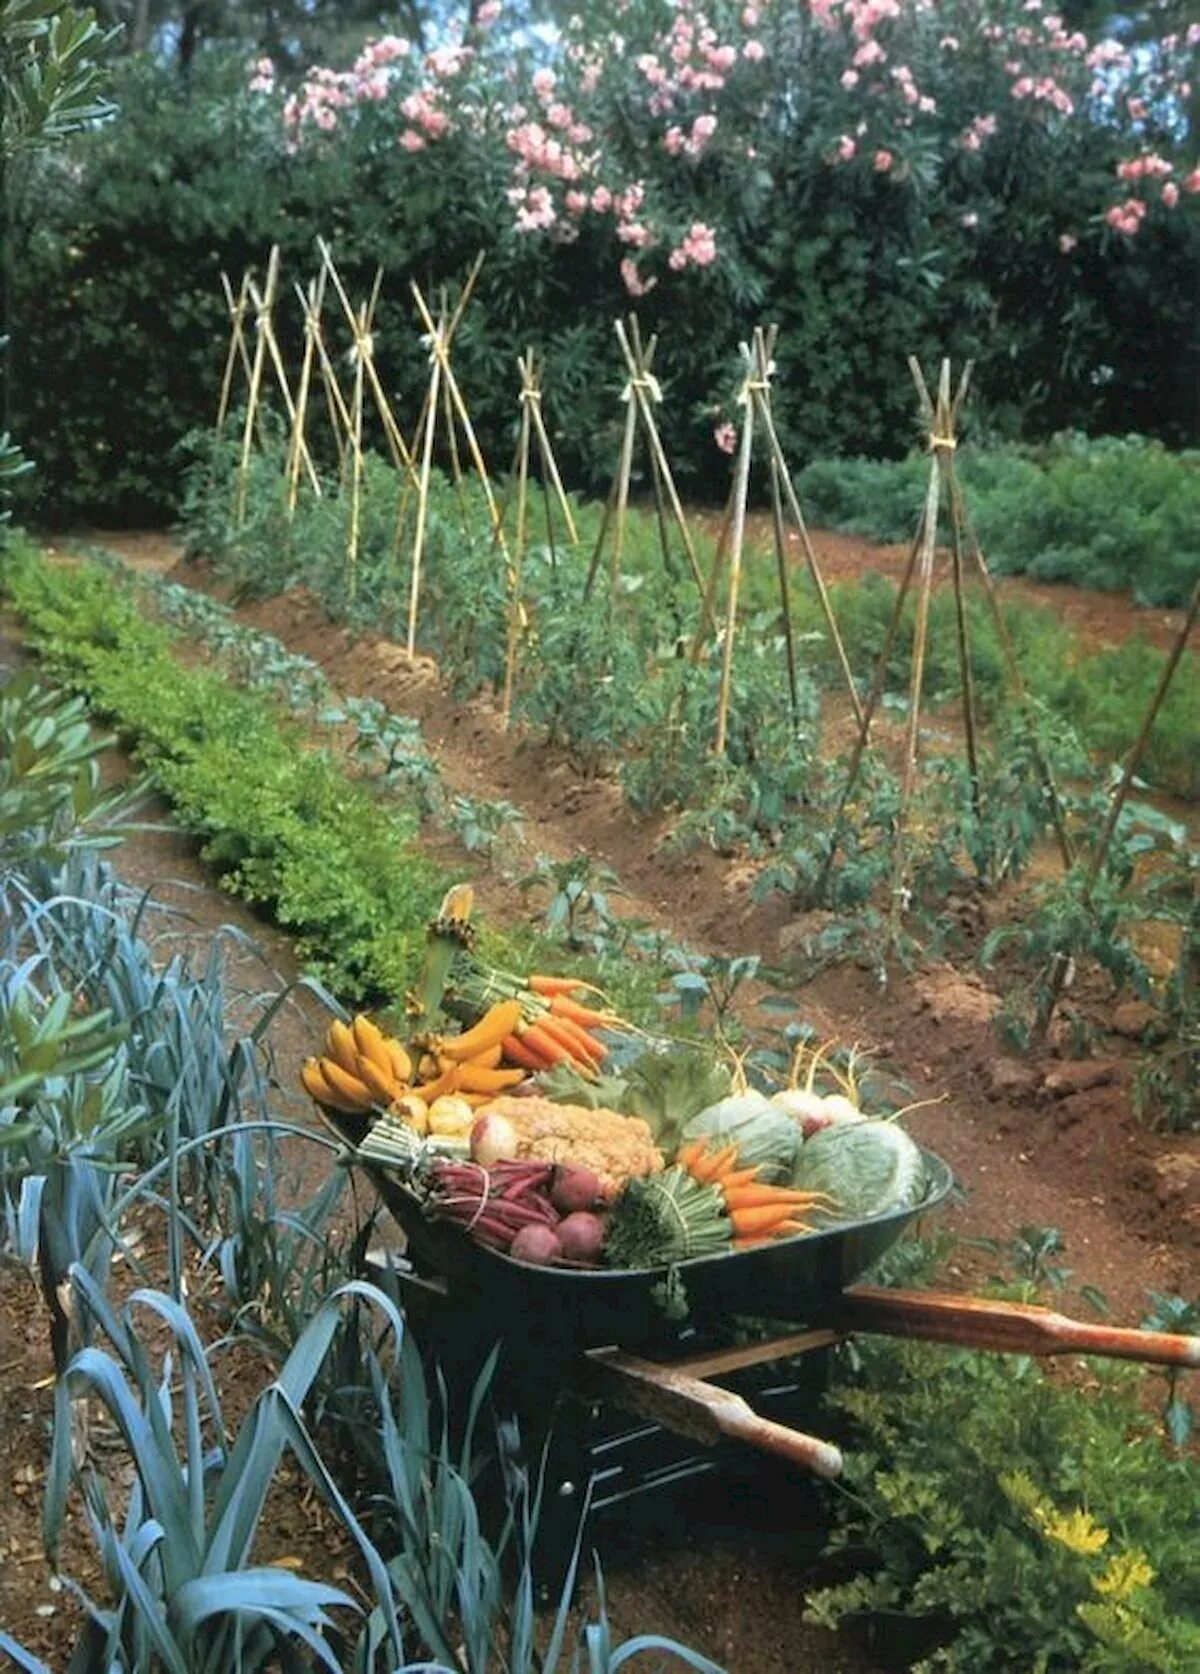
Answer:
(363, 1069)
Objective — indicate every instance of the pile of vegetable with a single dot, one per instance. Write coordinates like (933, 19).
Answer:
(515, 1127)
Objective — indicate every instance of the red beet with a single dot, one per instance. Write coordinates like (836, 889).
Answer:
(536, 1244)
(580, 1235)
(575, 1188)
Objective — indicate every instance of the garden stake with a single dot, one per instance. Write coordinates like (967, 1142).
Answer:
(643, 390)
(339, 414)
(949, 444)
(741, 484)
(435, 378)
(941, 441)
(618, 497)
(256, 372)
(1061, 964)
(452, 326)
(312, 308)
(765, 350)
(401, 455)
(441, 350)
(810, 557)
(515, 613)
(237, 344)
(531, 393)
(267, 330)
(356, 468)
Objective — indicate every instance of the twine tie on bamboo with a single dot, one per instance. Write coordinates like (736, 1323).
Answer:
(946, 444)
(647, 383)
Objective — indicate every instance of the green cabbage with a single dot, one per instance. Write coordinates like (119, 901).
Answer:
(765, 1136)
(867, 1168)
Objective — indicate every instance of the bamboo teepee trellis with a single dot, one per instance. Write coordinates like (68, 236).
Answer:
(940, 415)
(531, 431)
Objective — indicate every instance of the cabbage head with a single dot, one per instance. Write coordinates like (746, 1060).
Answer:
(867, 1168)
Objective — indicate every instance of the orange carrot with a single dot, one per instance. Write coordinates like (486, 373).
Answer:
(710, 1165)
(787, 1229)
(591, 1049)
(759, 1196)
(562, 1005)
(765, 1218)
(558, 1031)
(534, 1036)
(517, 1052)
(687, 1154)
(547, 986)
(735, 1179)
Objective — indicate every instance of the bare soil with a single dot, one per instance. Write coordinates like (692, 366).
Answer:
(1048, 1141)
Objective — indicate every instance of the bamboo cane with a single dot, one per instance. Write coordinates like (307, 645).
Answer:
(549, 463)
(741, 485)
(401, 453)
(356, 471)
(236, 307)
(435, 376)
(810, 557)
(312, 306)
(256, 375)
(518, 555)
(765, 351)
(464, 417)
(646, 390)
(939, 442)
(267, 327)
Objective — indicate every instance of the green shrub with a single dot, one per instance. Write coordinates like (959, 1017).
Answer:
(1026, 1524)
(284, 824)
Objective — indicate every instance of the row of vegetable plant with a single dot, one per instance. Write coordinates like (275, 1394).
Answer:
(117, 1074)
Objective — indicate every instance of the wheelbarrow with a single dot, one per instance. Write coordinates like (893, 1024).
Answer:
(583, 1352)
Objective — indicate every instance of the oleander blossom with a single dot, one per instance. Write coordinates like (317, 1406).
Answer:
(697, 248)
(725, 436)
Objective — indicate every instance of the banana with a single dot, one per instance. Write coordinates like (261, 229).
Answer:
(340, 1046)
(371, 1044)
(474, 1078)
(348, 1086)
(401, 1062)
(491, 1029)
(316, 1086)
(384, 1085)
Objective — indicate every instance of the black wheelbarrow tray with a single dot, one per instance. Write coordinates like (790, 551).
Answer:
(594, 1331)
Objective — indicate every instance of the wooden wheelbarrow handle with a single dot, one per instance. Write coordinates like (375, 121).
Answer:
(1011, 1327)
(702, 1411)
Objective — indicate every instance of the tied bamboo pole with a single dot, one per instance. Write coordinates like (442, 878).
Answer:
(360, 324)
(339, 411)
(267, 327)
(356, 468)
(941, 441)
(423, 481)
(311, 307)
(528, 384)
(741, 485)
(411, 479)
(784, 476)
(236, 308)
(647, 393)
(256, 376)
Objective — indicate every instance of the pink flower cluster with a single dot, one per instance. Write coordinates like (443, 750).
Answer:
(697, 248)
(1127, 217)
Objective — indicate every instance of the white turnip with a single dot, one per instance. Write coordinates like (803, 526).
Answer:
(493, 1140)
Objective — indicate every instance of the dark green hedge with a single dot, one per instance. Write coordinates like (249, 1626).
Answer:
(119, 329)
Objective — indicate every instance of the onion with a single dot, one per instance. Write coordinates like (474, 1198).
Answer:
(493, 1140)
(581, 1236)
(575, 1188)
(538, 1245)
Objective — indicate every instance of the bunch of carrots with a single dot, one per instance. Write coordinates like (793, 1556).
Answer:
(757, 1211)
(538, 1022)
